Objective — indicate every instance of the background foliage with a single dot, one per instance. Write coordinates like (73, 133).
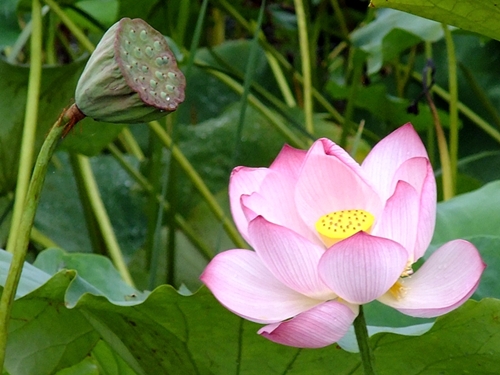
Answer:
(247, 95)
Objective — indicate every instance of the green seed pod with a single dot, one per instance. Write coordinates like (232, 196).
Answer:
(132, 76)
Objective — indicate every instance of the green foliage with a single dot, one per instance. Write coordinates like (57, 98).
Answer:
(391, 33)
(479, 17)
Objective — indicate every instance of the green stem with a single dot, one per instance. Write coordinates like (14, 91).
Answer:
(281, 59)
(453, 87)
(196, 37)
(364, 346)
(248, 78)
(130, 144)
(50, 46)
(462, 108)
(281, 80)
(102, 218)
(75, 30)
(198, 183)
(182, 20)
(290, 136)
(306, 64)
(30, 123)
(180, 222)
(26, 223)
(444, 155)
(480, 94)
(357, 61)
(431, 138)
(340, 18)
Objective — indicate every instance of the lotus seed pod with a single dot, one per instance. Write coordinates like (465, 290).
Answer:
(132, 76)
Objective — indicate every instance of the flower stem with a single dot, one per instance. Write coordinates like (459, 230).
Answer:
(30, 123)
(363, 344)
(82, 163)
(306, 64)
(65, 121)
(453, 109)
(199, 184)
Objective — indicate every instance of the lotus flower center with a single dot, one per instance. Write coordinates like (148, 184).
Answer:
(339, 225)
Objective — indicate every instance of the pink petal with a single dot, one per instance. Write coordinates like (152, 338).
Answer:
(332, 149)
(316, 328)
(240, 282)
(291, 258)
(387, 156)
(445, 281)
(328, 184)
(243, 181)
(399, 219)
(275, 202)
(362, 267)
(288, 161)
(427, 207)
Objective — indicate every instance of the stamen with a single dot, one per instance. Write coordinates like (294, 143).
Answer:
(398, 290)
(408, 269)
(339, 225)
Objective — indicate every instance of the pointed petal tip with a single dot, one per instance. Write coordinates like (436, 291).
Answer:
(443, 283)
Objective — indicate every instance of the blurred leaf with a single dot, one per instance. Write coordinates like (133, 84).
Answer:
(470, 214)
(484, 166)
(206, 96)
(90, 137)
(189, 263)
(9, 28)
(109, 362)
(391, 33)
(60, 215)
(135, 9)
(387, 108)
(481, 17)
(105, 11)
(489, 247)
(209, 146)
(57, 88)
(85, 367)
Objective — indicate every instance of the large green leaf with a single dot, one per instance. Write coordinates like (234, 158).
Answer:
(57, 88)
(45, 336)
(482, 17)
(60, 214)
(391, 33)
(471, 214)
(170, 333)
(488, 246)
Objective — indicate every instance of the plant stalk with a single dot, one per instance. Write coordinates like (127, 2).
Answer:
(30, 123)
(364, 346)
(199, 184)
(453, 88)
(67, 119)
(102, 218)
(306, 64)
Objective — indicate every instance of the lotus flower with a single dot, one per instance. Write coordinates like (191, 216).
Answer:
(330, 234)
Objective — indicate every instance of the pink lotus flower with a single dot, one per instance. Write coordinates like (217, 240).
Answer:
(330, 234)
